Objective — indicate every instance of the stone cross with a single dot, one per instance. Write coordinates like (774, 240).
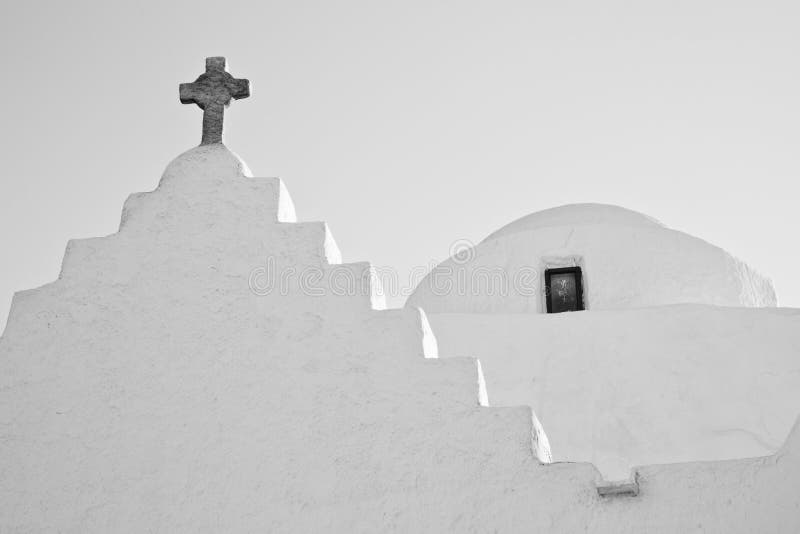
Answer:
(213, 91)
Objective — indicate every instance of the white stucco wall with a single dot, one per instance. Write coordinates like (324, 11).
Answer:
(633, 387)
(151, 389)
(628, 261)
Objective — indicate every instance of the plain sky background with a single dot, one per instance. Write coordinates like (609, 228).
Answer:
(410, 125)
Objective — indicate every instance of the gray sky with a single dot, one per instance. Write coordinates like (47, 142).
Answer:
(410, 125)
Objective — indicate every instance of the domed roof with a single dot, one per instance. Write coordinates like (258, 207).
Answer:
(576, 214)
(627, 260)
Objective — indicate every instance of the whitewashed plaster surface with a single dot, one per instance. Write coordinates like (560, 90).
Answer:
(150, 389)
(632, 387)
(576, 214)
(628, 261)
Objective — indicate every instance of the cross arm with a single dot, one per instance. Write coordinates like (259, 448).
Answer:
(191, 93)
(238, 88)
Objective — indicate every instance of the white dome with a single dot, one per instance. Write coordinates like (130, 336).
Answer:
(576, 214)
(627, 260)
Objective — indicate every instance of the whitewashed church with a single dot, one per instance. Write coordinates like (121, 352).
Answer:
(214, 367)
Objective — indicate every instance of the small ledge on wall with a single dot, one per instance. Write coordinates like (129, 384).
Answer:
(620, 488)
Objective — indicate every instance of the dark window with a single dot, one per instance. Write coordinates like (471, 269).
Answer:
(563, 289)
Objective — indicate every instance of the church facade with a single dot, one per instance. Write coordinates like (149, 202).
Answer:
(157, 386)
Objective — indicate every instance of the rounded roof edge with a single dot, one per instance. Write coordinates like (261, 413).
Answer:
(576, 214)
(209, 161)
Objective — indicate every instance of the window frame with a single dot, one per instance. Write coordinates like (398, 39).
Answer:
(578, 286)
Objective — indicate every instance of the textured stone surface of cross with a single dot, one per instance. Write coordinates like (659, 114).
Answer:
(213, 92)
